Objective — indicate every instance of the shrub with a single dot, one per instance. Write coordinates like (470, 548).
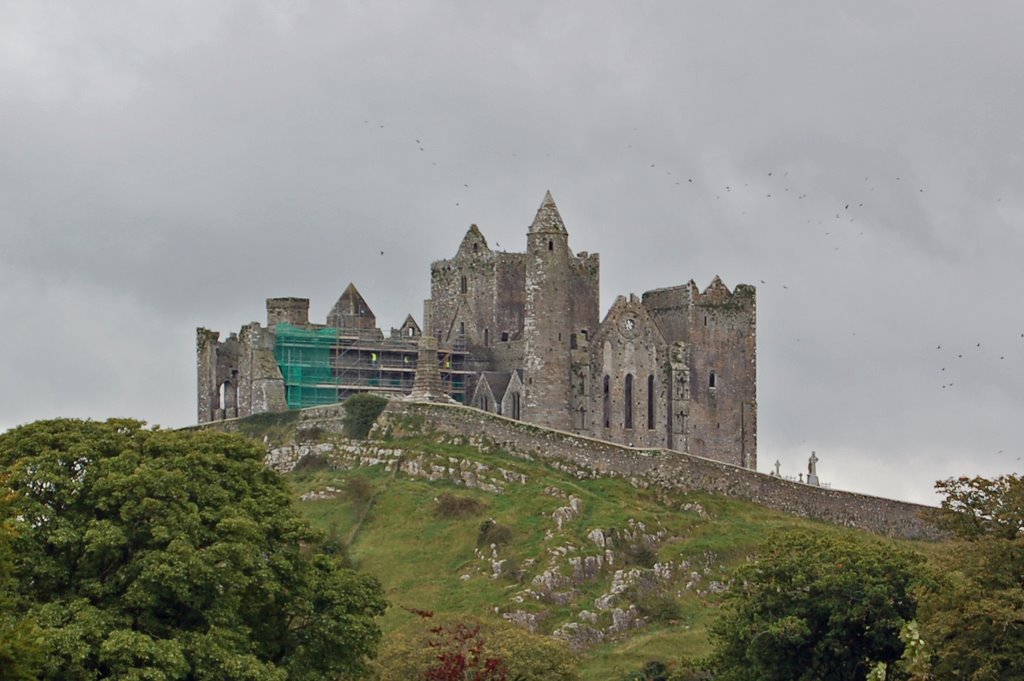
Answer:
(640, 555)
(358, 489)
(361, 411)
(311, 463)
(492, 532)
(309, 434)
(454, 506)
(660, 608)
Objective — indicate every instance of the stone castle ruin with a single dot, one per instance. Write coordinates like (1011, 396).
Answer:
(518, 334)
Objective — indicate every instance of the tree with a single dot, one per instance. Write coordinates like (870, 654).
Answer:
(150, 554)
(361, 412)
(19, 651)
(814, 606)
(972, 618)
(436, 647)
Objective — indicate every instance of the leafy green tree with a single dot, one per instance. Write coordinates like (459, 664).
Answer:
(361, 412)
(973, 617)
(149, 554)
(19, 652)
(815, 607)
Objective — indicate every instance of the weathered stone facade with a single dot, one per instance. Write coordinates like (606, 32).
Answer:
(519, 334)
(674, 369)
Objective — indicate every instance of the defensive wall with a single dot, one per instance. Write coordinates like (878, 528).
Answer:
(667, 469)
(586, 458)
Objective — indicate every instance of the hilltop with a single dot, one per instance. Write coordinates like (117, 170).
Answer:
(624, 570)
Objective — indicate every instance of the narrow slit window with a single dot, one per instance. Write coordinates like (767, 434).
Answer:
(650, 402)
(711, 379)
(607, 404)
(463, 285)
(628, 406)
(551, 245)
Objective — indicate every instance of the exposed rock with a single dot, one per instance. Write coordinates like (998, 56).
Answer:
(527, 620)
(588, 617)
(325, 493)
(578, 636)
(500, 568)
(564, 514)
(585, 568)
(549, 580)
(597, 536)
(624, 620)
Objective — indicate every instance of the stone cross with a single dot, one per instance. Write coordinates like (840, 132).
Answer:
(812, 469)
(777, 464)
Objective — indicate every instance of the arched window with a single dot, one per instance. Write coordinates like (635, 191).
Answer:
(515, 406)
(463, 286)
(607, 405)
(487, 338)
(711, 379)
(629, 402)
(462, 328)
(650, 402)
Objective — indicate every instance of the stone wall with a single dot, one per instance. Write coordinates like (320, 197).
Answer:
(718, 419)
(476, 297)
(590, 458)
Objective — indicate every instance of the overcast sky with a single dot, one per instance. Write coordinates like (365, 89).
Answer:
(165, 166)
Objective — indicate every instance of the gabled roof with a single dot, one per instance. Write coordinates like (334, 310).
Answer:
(352, 302)
(351, 311)
(474, 242)
(497, 381)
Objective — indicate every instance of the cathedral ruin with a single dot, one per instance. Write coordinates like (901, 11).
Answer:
(520, 335)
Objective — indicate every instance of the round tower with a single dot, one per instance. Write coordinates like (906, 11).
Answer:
(548, 319)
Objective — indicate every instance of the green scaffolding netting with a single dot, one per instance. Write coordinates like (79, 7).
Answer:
(304, 357)
(319, 367)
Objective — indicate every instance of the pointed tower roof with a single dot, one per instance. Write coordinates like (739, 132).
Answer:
(548, 218)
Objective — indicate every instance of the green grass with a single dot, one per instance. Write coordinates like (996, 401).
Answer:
(421, 557)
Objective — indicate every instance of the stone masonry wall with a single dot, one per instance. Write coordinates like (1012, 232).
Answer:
(588, 458)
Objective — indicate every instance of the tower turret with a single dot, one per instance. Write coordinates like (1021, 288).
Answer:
(561, 300)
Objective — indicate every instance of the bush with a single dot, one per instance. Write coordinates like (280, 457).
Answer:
(358, 489)
(361, 412)
(443, 647)
(452, 506)
(492, 532)
(310, 434)
(311, 463)
(640, 555)
(660, 608)
(652, 671)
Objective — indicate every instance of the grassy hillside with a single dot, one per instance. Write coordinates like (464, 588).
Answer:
(626, 575)
(635, 575)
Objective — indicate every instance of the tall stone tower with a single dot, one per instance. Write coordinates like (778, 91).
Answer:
(562, 300)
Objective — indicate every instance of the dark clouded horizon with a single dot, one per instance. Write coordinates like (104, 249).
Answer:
(168, 166)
